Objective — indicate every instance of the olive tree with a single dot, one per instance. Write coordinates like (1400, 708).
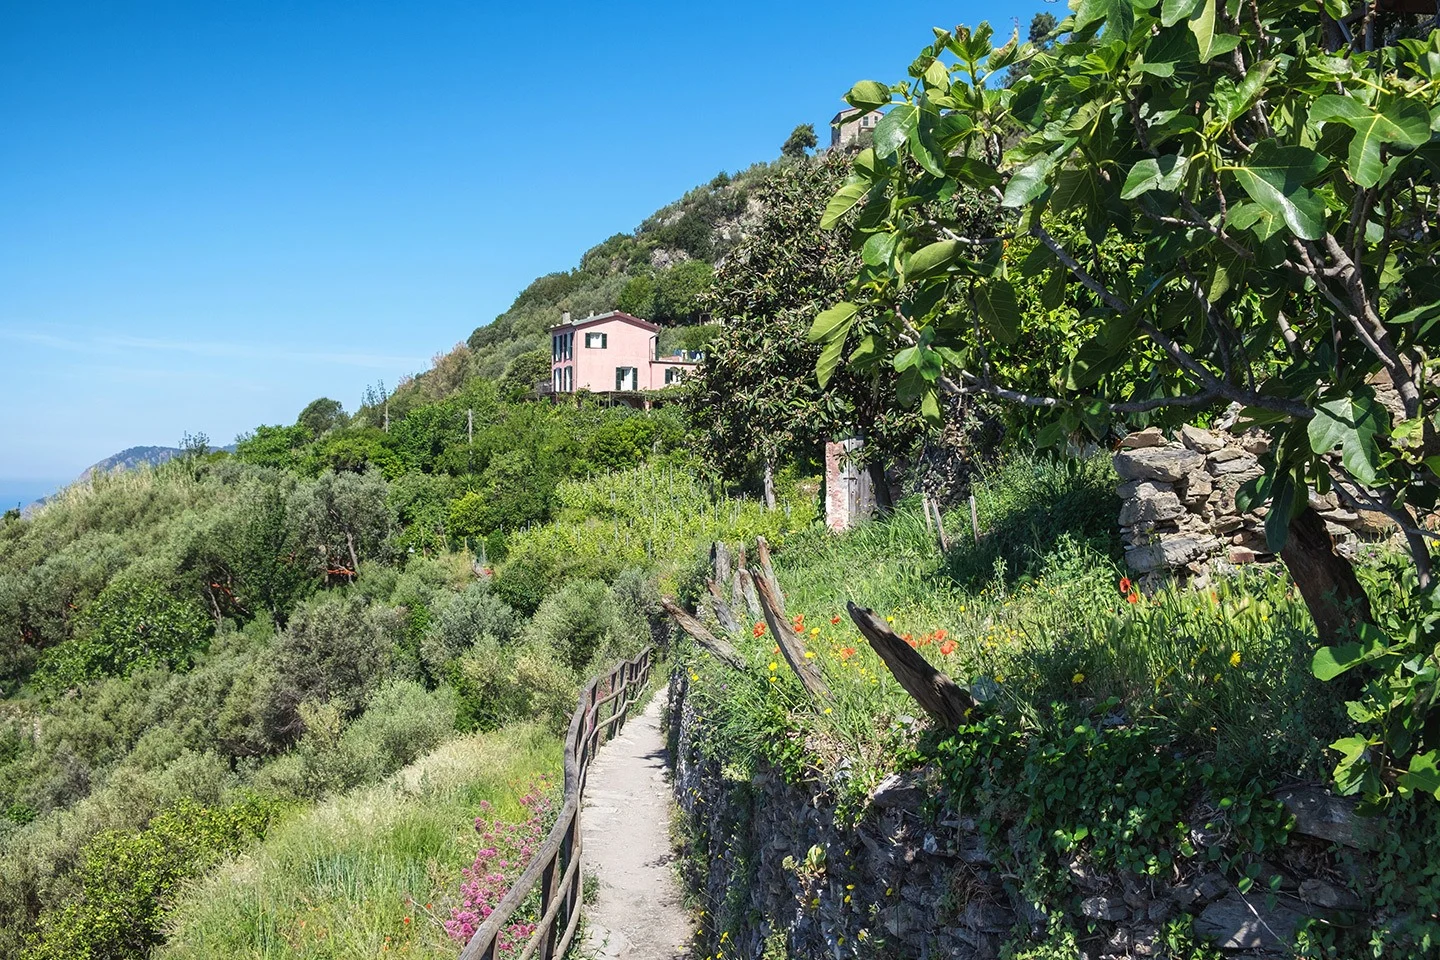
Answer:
(1272, 173)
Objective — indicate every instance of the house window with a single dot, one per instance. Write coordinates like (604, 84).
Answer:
(626, 378)
(674, 375)
(597, 341)
(569, 379)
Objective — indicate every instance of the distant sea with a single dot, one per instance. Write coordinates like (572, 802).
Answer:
(25, 492)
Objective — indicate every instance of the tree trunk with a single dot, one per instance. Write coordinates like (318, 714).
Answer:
(880, 487)
(769, 484)
(1327, 581)
(354, 560)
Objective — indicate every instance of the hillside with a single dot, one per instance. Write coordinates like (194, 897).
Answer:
(1047, 668)
(130, 459)
(659, 271)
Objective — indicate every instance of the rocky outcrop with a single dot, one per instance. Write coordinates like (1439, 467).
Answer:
(1178, 512)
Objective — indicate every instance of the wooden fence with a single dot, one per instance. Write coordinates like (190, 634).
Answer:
(555, 868)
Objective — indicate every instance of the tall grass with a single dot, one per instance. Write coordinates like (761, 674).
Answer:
(1029, 617)
(371, 873)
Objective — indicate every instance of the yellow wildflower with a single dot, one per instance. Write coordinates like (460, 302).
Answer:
(1078, 678)
(1235, 659)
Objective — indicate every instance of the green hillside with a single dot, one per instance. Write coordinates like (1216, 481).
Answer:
(274, 701)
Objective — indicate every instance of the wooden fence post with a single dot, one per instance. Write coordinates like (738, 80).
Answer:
(767, 571)
(718, 648)
(790, 646)
(723, 613)
(945, 700)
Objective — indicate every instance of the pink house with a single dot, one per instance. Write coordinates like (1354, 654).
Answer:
(611, 353)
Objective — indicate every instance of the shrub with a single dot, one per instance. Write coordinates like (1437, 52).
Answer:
(487, 693)
(401, 722)
(463, 620)
(128, 627)
(335, 651)
(576, 622)
(494, 689)
(128, 880)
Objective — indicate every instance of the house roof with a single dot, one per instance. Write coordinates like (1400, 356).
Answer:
(849, 114)
(602, 317)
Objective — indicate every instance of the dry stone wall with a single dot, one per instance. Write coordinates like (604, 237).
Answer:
(778, 874)
(1178, 512)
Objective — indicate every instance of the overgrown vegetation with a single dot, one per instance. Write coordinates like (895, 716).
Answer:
(1114, 729)
(266, 625)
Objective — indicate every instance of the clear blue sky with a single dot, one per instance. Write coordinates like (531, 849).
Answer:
(213, 212)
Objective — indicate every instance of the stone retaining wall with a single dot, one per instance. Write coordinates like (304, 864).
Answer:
(1178, 512)
(773, 871)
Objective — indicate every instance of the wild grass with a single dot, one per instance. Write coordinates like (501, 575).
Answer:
(371, 873)
(1030, 617)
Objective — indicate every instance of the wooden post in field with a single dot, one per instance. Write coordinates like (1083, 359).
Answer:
(723, 614)
(718, 648)
(767, 571)
(939, 523)
(790, 647)
(942, 698)
(974, 519)
(720, 557)
(745, 583)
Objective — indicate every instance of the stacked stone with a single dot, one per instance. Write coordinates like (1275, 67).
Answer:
(1178, 513)
(776, 865)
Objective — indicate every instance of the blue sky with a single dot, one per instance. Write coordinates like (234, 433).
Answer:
(213, 212)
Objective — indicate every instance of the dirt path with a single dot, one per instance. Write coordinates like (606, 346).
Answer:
(626, 823)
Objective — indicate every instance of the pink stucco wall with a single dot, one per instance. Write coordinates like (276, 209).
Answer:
(658, 368)
(627, 345)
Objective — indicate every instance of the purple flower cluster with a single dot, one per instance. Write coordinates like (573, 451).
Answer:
(505, 850)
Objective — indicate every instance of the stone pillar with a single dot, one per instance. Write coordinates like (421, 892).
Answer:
(849, 495)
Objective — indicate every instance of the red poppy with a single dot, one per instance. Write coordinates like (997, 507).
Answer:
(947, 648)
(834, 620)
(1133, 596)
(846, 653)
(759, 630)
(1124, 584)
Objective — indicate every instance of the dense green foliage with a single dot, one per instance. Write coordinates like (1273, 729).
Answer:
(754, 401)
(128, 880)
(1142, 737)
(1216, 203)
(302, 618)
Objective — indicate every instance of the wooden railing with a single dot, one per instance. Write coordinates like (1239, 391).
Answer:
(555, 868)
